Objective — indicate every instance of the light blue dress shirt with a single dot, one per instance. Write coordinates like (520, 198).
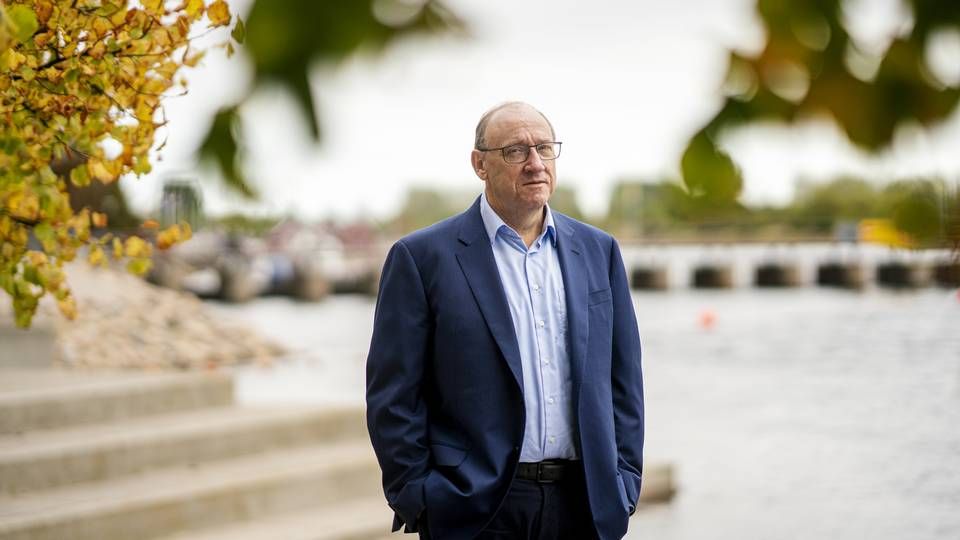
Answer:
(533, 283)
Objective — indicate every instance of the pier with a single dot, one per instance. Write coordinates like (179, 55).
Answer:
(659, 267)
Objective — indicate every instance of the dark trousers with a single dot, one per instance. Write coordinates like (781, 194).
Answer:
(540, 511)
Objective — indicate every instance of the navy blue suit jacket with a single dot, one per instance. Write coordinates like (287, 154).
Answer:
(445, 406)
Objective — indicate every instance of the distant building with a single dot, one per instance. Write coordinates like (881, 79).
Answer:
(181, 201)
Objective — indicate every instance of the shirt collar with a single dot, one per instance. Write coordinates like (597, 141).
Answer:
(492, 222)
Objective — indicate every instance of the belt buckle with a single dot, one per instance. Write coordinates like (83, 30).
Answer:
(540, 473)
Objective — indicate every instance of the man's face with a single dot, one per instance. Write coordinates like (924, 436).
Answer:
(516, 188)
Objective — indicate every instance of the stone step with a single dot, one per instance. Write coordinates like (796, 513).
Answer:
(97, 452)
(48, 399)
(658, 485)
(174, 500)
(362, 519)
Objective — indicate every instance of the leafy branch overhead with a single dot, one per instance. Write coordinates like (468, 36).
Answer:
(812, 66)
(81, 89)
(286, 38)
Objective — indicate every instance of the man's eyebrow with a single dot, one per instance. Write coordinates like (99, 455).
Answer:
(523, 143)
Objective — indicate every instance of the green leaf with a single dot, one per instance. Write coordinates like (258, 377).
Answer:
(6, 282)
(30, 274)
(80, 176)
(239, 33)
(24, 21)
(109, 8)
(46, 235)
(139, 266)
(220, 145)
(142, 166)
(708, 172)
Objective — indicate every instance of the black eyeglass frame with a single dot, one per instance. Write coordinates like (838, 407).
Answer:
(503, 149)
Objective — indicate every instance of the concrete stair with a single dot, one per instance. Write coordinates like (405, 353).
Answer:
(47, 399)
(337, 523)
(82, 458)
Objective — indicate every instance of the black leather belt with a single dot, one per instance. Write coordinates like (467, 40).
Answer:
(547, 471)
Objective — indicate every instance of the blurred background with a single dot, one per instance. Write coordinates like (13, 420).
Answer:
(783, 177)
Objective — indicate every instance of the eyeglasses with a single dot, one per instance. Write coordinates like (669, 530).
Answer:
(518, 153)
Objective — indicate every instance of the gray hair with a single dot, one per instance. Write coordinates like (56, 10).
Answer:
(481, 132)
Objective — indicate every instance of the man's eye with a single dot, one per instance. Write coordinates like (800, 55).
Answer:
(515, 151)
(546, 150)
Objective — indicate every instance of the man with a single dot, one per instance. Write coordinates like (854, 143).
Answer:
(504, 390)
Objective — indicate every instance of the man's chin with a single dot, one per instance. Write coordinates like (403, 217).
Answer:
(535, 203)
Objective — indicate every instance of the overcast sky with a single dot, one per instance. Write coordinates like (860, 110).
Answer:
(625, 83)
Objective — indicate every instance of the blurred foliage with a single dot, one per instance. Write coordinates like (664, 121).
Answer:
(425, 206)
(809, 66)
(286, 38)
(926, 210)
(245, 224)
(916, 208)
(564, 200)
(81, 86)
(920, 208)
(640, 208)
(819, 207)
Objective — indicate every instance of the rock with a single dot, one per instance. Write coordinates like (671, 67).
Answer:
(125, 322)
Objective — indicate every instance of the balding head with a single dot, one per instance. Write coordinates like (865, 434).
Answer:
(480, 142)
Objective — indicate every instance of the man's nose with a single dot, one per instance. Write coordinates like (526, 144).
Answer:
(534, 162)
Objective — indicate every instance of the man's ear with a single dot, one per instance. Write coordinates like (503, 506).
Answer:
(476, 159)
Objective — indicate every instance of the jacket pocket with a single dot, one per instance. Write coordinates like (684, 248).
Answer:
(624, 500)
(599, 297)
(447, 456)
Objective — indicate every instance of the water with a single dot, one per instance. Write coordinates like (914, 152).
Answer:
(805, 413)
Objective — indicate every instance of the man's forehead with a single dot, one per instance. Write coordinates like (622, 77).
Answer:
(512, 118)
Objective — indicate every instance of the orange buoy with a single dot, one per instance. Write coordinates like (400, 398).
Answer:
(708, 319)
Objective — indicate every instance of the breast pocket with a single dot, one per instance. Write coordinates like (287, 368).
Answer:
(599, 297)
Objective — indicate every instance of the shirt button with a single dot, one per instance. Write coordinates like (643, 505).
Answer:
(552, 440)
(546, 361)
(536, 288)
(540, 323)
(551, 400)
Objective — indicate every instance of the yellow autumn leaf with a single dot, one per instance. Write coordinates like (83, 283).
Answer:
(68, 307)
(194, 7)
(73, 76)
(96, 256)
(193, 59)
(218, 13)
(99, 171)
(139, 266)
(154, 7)
(168, 237)
(98, 219)
(37, 258)
(134, 246)
(10, 60)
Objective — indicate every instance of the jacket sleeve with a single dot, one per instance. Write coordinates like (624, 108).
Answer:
(396, 410)
(627, 381)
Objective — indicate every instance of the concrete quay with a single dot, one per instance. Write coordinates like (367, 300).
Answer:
(119, 455)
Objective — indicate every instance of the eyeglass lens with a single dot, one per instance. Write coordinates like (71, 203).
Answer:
(520, 152)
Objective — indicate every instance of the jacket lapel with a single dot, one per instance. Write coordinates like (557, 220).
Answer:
(480, 268)
(574, 270)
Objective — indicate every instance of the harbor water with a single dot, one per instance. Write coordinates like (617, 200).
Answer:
(796, 413)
